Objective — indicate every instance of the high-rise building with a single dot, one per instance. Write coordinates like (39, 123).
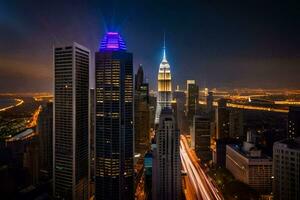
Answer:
(236, 123)
(222, 120)
(114, 120)
(92, 141)
(201, 137)
(209, 103)
(71, 122)
(164, 96)
(167, 176)
(192, 100)
(141, 113)
(45, 134)
(180, 98)
(249, 165)
(139, 77)
(148, 164)
(286, 169)
(294, 122)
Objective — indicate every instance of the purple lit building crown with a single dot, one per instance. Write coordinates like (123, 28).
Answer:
(112, 41)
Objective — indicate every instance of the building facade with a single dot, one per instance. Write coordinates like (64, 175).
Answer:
(167, 176)
(192, 100)
(71, 122)
(250, 166)
(114, 120)
(294, 122)
(45, 135)
(164, 87)
(286, 170)
(201, 137)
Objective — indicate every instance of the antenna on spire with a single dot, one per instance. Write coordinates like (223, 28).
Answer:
(164, 48)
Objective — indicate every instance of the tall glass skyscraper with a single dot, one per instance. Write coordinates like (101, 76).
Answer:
(164, 96)
(71, 122)
(114, 120)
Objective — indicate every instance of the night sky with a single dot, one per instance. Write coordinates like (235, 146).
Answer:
(220, 43)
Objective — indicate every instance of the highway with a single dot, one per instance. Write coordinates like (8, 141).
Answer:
(18, 103)
(201, 183)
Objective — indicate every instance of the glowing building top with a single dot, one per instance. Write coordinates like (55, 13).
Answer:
(112, 41)
(164, 86)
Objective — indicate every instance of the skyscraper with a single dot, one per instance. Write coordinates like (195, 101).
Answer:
(71, 122)
(201, 137)
(114, 120)
(192, 100)
(294, 122)
(286, 169)
(141, 113)
(139, 77)
(45, 134)
(167, 175)
(164, 84)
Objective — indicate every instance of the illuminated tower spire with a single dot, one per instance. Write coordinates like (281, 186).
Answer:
(164, 48)
(164, 84)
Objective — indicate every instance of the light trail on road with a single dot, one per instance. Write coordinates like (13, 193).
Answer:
(201, 183)
(19, 102)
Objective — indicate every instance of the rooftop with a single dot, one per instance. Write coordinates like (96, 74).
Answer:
(112, 41)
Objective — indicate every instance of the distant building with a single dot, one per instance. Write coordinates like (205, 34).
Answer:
(250, 166)
(141, 113)
(222, 120)
(180, 98)
(148, 165)
(286, 169)
(71, 122)
(164, 87)
(139, 78)
(92, 141)
(192, 100)
(236, 123)
(209, 102)
(201, 137)
(45, 135)
(167, 176)
(114, 120)
(294, 122)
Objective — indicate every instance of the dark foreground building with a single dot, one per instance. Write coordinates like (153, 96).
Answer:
(114, 120)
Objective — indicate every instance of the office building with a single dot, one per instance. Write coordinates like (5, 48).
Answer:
(249, 165)
(236, 123)
(286, 169)
(141, 113)
(71, 122)
(294, 122)
(201, 137)
(192, 100)
(222, 120)
(45, 134)
(114, 120)
(164, 87)
(167, 176)
(92, 141)
(209, 103)
(180, 98)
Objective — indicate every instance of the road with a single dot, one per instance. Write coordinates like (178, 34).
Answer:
(203, 188)
(18, 103)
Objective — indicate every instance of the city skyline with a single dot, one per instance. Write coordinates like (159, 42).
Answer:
(229, 45)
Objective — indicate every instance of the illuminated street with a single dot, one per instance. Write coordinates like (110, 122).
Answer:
(18, 103)
(201, 183)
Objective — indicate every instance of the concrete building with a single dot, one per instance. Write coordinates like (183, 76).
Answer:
(45, 134)
(250, 166)
(114, 176)
(167, 175)
(164, 87)
(286, 169)
(71, 122)
(201, 137)
(294, 122)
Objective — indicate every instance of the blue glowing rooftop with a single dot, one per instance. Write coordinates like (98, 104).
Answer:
(112, 41)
